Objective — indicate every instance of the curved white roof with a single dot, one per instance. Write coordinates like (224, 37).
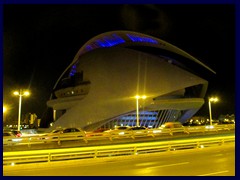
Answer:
(128, 38)
(125, 39)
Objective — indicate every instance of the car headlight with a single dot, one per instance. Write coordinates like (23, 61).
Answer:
(209, 127)
(16, 140)
(157, 131)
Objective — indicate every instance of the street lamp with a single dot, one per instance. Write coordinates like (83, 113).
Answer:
(4, 109)
(212, 99)
(137, 108)
(20, 93)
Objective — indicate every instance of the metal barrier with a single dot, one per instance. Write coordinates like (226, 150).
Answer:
(42, 139)
(23, 157)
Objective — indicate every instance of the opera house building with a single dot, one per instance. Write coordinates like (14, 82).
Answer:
(99, 89)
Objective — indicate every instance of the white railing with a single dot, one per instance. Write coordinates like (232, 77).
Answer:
(113, 135)
(52, 155)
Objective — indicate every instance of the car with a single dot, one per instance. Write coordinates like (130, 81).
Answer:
(128, 131)
(66, 133)
(56, 131)
(9, 136)
(138, 130)
(67, 130)
(117, 131)
(17, 133)
(29, 132)
(100, 130)
(172, 127)
(97, 132)
(122, 127)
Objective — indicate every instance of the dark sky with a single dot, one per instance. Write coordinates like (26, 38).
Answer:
(40, 41)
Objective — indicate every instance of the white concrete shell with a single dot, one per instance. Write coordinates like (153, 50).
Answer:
(109, 77)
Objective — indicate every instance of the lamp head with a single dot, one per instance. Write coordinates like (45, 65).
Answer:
(21, 93)
(16, 93)
(26, 93)
(213, 99)
(140, 97)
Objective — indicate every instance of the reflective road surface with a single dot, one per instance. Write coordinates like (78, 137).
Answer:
(212, 161)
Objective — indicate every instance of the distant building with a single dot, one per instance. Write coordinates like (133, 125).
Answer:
(97, 89)
(227, 119)
(197, 121)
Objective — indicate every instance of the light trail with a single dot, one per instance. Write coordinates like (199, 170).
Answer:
(214, 173)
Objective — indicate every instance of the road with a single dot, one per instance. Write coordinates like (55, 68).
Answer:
(211, 161)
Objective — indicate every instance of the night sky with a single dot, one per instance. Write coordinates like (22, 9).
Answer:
(40, 41)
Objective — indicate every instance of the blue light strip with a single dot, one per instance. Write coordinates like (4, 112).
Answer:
(148, 112)
(109, 41)
(148, 118)
(147, 115)
(89, 47)
(73, 70)
(106, 41)
(114, 39)
(136, 38)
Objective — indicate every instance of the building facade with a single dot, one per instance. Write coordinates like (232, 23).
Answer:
(98, 89)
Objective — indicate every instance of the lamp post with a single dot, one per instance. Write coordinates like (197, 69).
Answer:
(20, 93)
(4, 109)
(212, 99)
(137, 108)
(4, 112)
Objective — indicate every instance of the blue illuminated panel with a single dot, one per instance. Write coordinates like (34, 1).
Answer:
(148, 118)
(114, 39)
(136, 38)
(109, 41)
(144, 115)
(106, 41)
(89, 48)
(152, 113)
(73, 70)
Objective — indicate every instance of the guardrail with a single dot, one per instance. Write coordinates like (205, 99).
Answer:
(53, 155)
(112, 135)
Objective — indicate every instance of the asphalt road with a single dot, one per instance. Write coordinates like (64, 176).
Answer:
(211, 161)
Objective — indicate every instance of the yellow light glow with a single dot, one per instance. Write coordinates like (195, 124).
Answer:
(16, 93)
(140, 97)
(20, 93)
(26, 93)
(213, 99)
(4, 109)
(137, 96)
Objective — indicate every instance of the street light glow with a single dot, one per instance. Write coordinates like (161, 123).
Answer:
(140, 97)
(4, 109)
(137, 108)
(26, 93)
(212, 99)
(137, 96)
(20, 93)
(16, 93)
